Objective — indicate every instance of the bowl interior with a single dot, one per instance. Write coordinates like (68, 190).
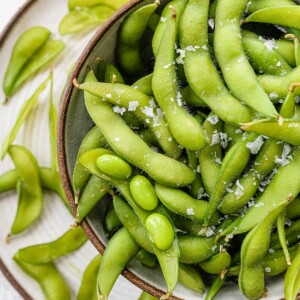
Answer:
(74, 123)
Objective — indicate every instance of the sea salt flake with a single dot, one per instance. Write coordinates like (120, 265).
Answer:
(285, 158)
(162, 19)
(255, 146)
(119, 110)
(273, 95)
(190, 211)
(268, 269)
(133, 105)
(213, 119)
(209, 232)
(211, 23)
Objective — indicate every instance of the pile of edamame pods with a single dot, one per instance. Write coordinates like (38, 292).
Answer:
(197, 139)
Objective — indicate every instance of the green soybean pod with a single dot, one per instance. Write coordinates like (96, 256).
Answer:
(132, 148)
(30, 192)
(146, 296)
(217, 263)
(216, 285)
(26, 45)
(114, 166)
(233, 164)
(88, 285)
(284, 16)
(166, 15)
(70, 241)
(247, 185)
(286, 49)
(210, 157)
(112, 74)
(146, 258)
(93, 139)
(112, 221)
(116, 4)
(130, 35)
(144, 84)
(118, 253)
(293, 209)
(196, 249)
(236, 69)
(183, 204)
(254, 248)
(166, 91)
(8, 181)
(143, 192)
(191, 278)
(48, 277)
(291, 280)
(160, 230)
(206, 81)
(255, 5)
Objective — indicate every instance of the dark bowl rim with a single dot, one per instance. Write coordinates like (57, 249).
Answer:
(61, 144)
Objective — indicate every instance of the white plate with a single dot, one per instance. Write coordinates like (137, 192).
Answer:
(34, 135)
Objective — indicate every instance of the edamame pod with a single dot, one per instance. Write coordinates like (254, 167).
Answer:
(30, 192)
(133, 149)
(130, 35)
(236, 69)
(210, 157)
(8, 181)
(116, 4)
(88, 285)
(287, 130)
(284, 16)
(217, 263)
(70, 241)
(183, 204)
(27, 44)
(166, 92)
(255, 5)
(48, 277)
(118, 253)
(112, 222)
(206, 81)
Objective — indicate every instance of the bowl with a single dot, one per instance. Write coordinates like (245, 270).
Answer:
(74, 123)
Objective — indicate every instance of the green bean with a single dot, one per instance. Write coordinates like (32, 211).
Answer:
(25, 110)
(233, 165)
(291, 280)
(130, 35)
(246, 186)
(93, 192)
(286, 130)
(196, 249)
(30, 202)
(116, 4)
(255, 5)
(183, 204)
(254, 248)
(78, 20)
(29, 42)
(118, 253)
(284, 16)
(166, 91)
(210, 157)
(133, 149)
(277, 86)
(206, 81)
(70, 241)
(48, 277)
(166, 15)
(93, 139)
(217, 263)
(88, 285)
(236, 69)
(262, 58)
(191, 278)
(142, 106)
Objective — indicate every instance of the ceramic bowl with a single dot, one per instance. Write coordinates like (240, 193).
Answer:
(74, 123)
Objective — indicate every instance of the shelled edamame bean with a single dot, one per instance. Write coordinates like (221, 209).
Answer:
(209, 95)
